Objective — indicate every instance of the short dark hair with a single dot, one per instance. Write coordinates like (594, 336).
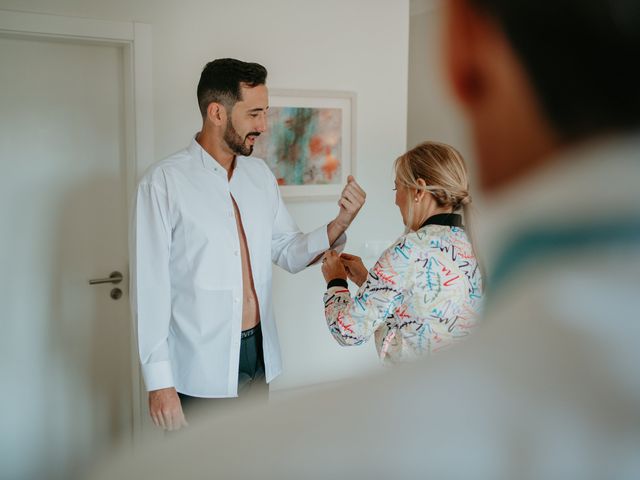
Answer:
(579, 57)
(221, 80)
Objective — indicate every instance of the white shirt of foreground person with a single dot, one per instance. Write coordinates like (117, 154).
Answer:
(548, 388)
(187, 274)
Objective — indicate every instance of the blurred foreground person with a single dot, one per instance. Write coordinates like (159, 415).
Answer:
(549, 387)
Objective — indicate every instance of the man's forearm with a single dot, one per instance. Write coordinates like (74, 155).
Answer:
(350, 202)
(336, 228)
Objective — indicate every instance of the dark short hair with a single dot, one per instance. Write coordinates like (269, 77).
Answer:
(221, 80)
(579, 56)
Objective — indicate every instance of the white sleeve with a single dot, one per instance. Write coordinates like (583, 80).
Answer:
(293, 250)
(150, 246)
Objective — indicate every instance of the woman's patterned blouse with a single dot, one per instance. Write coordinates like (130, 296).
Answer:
(422, 295)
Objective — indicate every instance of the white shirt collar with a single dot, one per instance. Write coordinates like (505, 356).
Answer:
(208, 162)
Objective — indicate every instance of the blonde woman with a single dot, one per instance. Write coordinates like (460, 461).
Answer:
(424, 292)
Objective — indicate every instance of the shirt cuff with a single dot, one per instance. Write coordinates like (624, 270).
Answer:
(157, 375)
(318, 242)
(337, 282)
(339, 244)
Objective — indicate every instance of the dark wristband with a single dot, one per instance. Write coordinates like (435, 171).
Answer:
(337, 282)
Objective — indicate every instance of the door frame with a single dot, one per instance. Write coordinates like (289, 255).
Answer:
(135, 41)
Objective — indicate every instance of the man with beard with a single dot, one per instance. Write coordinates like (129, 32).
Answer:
(208, 222)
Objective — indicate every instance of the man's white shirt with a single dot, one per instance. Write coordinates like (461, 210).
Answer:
(186, 270)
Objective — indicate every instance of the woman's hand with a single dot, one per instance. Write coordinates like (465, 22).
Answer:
(332, 267)
(356, 270)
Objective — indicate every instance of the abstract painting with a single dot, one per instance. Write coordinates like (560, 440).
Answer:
(309, 142)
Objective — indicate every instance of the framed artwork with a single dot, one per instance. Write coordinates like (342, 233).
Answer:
(310, 141)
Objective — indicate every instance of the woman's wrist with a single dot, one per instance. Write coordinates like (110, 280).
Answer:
(337, 282)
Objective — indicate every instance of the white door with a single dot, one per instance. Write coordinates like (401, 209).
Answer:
(65, 346)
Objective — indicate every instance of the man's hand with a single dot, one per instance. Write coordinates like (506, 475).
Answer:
(166, 410)
(351, 201)
(332, 267)
(355, 268)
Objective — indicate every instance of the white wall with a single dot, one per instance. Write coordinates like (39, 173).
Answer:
(354, 45)
(432, 112)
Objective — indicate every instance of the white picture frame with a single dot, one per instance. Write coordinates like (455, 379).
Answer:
(308, 132)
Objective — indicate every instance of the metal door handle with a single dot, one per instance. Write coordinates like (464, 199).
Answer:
(115, 278)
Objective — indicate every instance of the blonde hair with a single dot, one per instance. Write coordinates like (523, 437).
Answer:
(445, 174)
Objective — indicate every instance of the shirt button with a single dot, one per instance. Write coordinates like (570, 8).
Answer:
(237, 299)
(236, 253)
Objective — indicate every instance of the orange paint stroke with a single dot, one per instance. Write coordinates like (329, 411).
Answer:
(316, 145)
(330, 166)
